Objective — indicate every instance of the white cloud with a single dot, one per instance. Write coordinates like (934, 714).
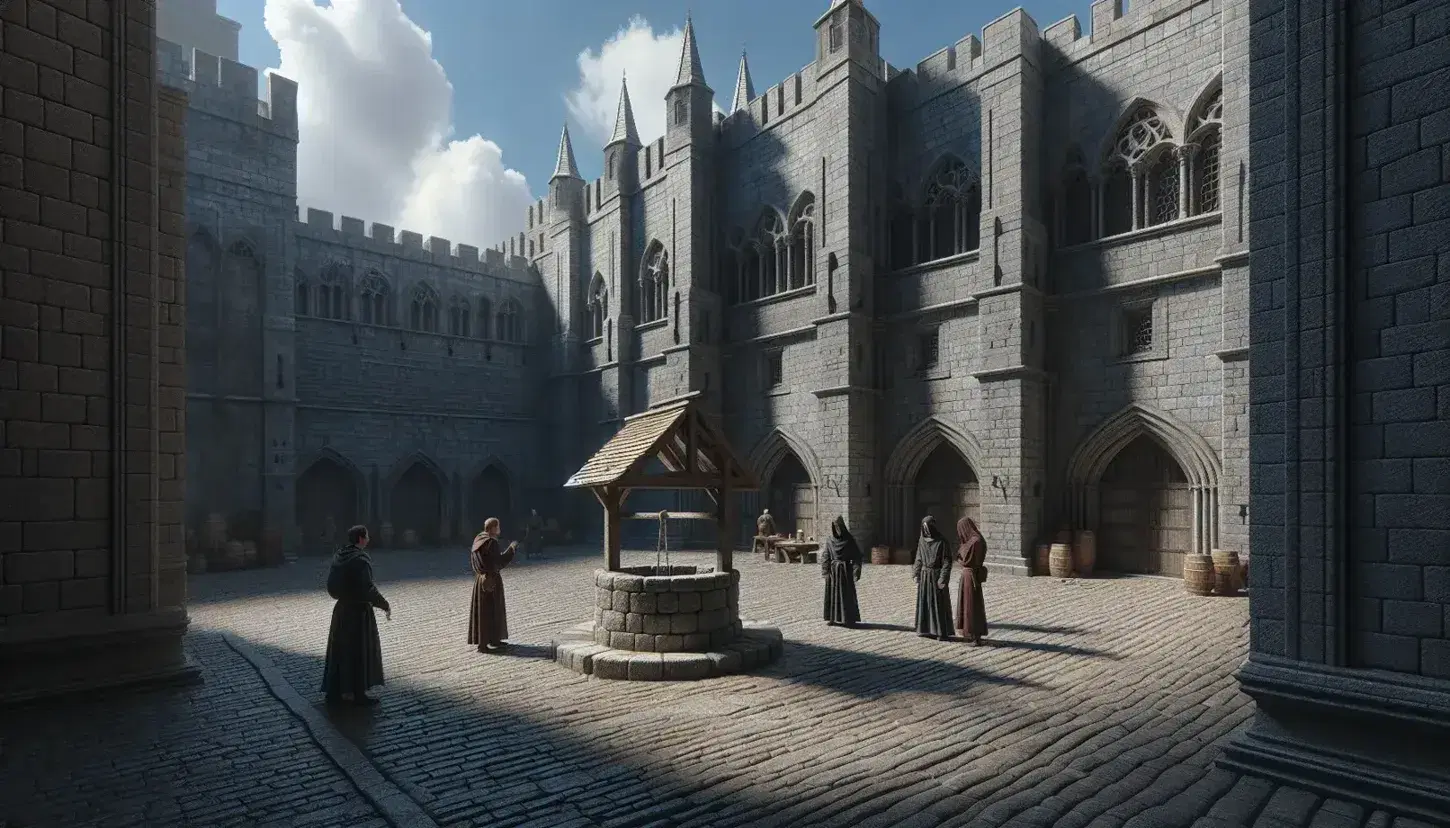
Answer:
(651, 62)
(376, 127)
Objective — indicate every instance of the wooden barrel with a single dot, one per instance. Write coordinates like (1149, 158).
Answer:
(214, 536)
(1041, 561)
(1198, 574)
(410, 538)
(1227, 574)
(901, 556)
(1059, 560)
(385, 535)
(880, 555)
(1085, 552)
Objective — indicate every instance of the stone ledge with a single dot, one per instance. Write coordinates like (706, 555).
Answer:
(139, 649)
(758, 645)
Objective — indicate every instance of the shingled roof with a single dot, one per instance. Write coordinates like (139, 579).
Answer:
(663, 433)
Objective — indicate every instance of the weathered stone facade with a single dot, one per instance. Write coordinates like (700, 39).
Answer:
(1009, 283)
(92, 182)
(1350, 662)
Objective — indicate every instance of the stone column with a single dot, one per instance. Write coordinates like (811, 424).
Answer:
(1139, 182)
(1186, 155)
(92, 558)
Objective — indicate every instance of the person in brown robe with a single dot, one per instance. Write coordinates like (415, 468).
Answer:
(972, 558)
(354, 660)
(488, 617)
(932, 570)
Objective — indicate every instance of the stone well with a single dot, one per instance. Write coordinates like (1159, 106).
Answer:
(666, 623)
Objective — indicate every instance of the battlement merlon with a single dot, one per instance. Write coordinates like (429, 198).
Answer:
(228, 89)
(322, 225)
(1112, 21)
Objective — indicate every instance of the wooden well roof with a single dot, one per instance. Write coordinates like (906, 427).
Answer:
(692, 449)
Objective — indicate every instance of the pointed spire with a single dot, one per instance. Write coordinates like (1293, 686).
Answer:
(565, 167)
(690, 73)
(744, 89)
(624, 129)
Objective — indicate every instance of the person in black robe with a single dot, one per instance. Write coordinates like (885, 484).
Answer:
(841, 567)
(972, 558)
(354, 660)
(932, 570)
(488, 624)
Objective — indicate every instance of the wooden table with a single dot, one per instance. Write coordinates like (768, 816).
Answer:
(798, 551)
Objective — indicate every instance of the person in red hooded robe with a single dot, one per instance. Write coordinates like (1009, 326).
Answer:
(972, 558)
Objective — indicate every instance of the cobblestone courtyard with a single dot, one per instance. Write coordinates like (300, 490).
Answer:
(1100, 703)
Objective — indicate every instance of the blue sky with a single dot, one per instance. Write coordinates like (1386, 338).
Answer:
(512, 64)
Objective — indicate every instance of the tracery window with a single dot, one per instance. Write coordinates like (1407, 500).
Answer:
(951, 218)
(654, 285)
(1125, 208)
(458, 316)
(485, 319)
(1206, 130)
(424, 315)
(509, 327)
(373, 300)
(802, 257)
(597, 309)
(1163, 190)
(772, 246)
(332, 292)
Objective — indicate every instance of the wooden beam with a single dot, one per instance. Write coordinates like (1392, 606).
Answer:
(612, 499)
(692, 444)
(725, 528)
(672, 515)
(669, 480)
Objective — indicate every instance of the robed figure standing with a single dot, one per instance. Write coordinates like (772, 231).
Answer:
(972, 558)
(841, 567)
(354, 659)
(488, 624)
(932, 570)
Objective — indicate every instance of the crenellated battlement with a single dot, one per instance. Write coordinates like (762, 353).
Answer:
(777, 103)
(383, 239)
(1113, 21)
(222, 87)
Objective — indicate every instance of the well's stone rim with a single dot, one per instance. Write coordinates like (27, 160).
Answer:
(633, 579)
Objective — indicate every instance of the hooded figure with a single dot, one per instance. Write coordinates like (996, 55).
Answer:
(488, 623)
(932, 569)
(354, 659)
(972, 558)
(841, 567)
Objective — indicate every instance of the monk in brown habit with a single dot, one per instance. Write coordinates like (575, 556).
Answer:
(354, 660)
(488, 624)
(972, 558)
(932, 570)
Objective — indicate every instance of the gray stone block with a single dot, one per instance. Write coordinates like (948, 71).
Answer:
(646, 667)
(657, 624)
(604, 599)
(614, 621)
(633, 622)
(688, 622)
(689, 602)
(621, 640)
(669, 643)
(714, 599)
(696, 642)
(643, 603)
(667, 602)
(621, 600)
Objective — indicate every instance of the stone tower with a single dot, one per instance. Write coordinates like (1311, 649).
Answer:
(565, 224)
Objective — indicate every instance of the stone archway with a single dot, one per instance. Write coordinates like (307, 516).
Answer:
(947, 488)
(956, 460)
(327, 503)
(1193, 456)
(791, 497)
(416, 503)
(1145, 508)
(489, 495)
(784, 457)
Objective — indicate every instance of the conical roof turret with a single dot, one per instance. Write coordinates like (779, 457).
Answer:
(625, 131)
(744, 88)
(565, 167)
(690, 72)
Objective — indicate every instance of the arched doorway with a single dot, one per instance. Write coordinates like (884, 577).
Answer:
(488, 496)
(792, 497)
(947, 489)
(326, 504)
(417, 504)
(1146, 512)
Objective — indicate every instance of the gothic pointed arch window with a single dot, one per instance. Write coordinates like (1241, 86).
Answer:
(458, 316)
(597, 309)
(773, 245)
(1206, 131)
(509, 322)
(1162, 195)
(803, 242)
(951, 212)
(654, 285)
(485, 318)
(375, 300)
(1142, 134)
(332, 292)
(423, 309)
(302, 304)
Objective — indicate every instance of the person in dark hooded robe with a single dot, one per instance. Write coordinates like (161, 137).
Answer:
(354, 661)
(972, 558)
(932, 570)
(488, 624)
(841, 567)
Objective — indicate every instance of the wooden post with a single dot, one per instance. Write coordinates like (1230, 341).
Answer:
(612, 500)
(725, 522)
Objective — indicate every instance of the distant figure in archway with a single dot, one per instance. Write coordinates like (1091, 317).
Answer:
(765, 524)
(841, 567)
(534, 534)
(932, 570)
(354, 660)
(488, 624)
(972, 558)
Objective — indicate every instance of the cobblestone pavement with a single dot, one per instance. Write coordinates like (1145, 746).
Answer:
(1101, 703)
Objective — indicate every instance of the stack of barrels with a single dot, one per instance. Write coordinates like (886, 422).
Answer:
(880, 555)
(1071, 554)
(1219, 573)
